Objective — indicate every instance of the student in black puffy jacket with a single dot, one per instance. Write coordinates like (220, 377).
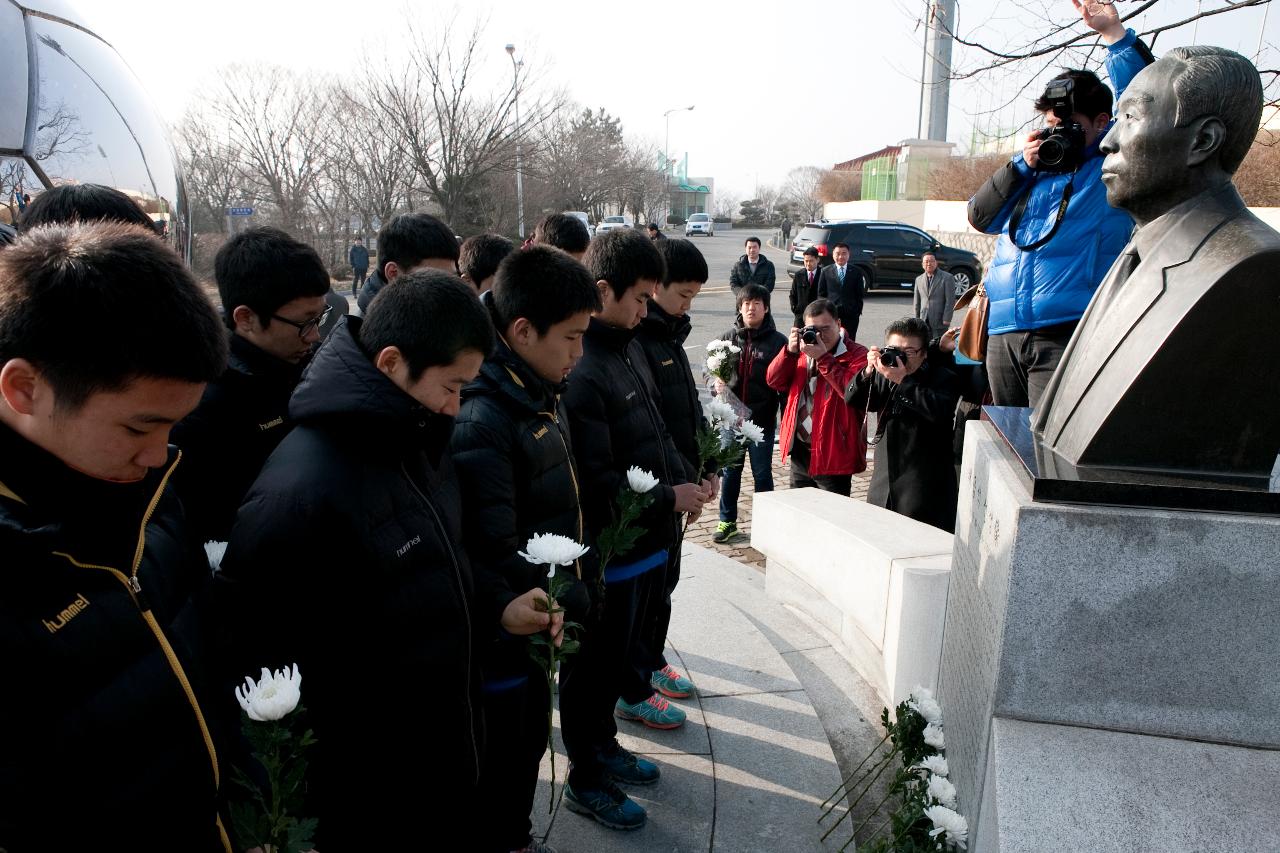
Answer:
(662, 335)
(347, 559)
(760, 342)
(109, 737)
(511, 447)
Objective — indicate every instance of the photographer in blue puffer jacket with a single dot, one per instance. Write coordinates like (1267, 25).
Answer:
(1058, 235)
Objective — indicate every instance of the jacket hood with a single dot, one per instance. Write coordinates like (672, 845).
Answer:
(610, 336)
(740, 329)
(342, 384)
(658, 322)
(251, 360)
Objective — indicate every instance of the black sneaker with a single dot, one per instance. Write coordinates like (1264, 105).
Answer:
(725, 531)
(606, 805)
(627, 768)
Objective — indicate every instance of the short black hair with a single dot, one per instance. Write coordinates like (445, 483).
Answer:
(821, 306)
(96, 305)
(545, 286)
(751, 290)
(840, 245)
(653, 226)
(909, 327)
(480, 255)
(84, 203)
(755, 240)
(684, 262)
(622, 257)
(1089, 95)
(264, 268)
(562, 231)
(431, 316)
(813, 252)
(411, 238)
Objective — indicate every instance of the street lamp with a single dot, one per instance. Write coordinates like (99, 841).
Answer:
(515, 70)
(666, 148)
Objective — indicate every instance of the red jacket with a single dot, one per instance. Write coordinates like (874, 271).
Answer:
(837, 441)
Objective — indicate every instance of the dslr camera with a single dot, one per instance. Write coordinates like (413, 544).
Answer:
(890, 356)
(1061, 147)
(809, 335)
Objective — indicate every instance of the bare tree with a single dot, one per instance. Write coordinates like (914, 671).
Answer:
(644, 187)
(214, 170)
(367, 165)
(274, 118)
(801, 188)
(726, 204)
(768, 196)
(1258, 177)
(837, 185)
(582, 159)
(958, 178)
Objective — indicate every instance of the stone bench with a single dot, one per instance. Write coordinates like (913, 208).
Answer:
(875, 580)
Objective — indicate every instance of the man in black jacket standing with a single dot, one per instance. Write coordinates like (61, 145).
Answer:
(511, 448)
(844, 284)
(359, 258)
(615, 425)
(760, 342)
(662, 334)
(804, 286)
(752, 268)
(272, 289)
(346, 559)
(106, 736)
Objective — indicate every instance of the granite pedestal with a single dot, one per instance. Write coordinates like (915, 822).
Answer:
(1078, 633)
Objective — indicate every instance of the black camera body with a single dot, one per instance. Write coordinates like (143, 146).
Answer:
(1061, 147)
(809, 334)
(890, 356)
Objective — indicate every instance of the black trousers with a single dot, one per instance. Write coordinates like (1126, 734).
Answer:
(357, 279)
(517, 720)
(654, 634)
(1019, 364)
(608, 666)
(841, 484)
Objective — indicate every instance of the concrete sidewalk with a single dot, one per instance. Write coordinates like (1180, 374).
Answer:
(750, 767)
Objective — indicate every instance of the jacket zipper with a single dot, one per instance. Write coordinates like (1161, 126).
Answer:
(462, 594)
(573, 475)
(134, 588)
(652, 422)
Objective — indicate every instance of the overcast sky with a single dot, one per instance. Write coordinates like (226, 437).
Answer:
(774, 85)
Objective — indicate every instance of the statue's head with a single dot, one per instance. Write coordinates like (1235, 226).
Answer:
(1182, 126)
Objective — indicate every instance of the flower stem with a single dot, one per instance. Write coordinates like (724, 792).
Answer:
(852, 805)
(880, 765)
(843, 784)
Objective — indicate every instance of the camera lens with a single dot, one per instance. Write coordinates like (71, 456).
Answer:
(809, 336)
(1053, 151)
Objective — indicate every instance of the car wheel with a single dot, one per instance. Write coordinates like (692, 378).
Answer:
(964, 280)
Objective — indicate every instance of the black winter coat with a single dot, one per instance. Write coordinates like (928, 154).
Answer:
(369, 289)
(759, 348)
(662, 338)
(741, 274)
(915, 471)
(615, 424)
(802, 293)
(511, 450)
(242, 417)
(106, 742)
(346, 558)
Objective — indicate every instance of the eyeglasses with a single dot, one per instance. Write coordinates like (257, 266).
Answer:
(911, 352)
(306, 326)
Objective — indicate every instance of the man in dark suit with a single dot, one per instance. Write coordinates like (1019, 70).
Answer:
(935, 295)
(1170, 367)
(804, 286)
(752, 268)
(843, 283)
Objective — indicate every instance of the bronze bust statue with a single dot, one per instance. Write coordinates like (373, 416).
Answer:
(1174, 366)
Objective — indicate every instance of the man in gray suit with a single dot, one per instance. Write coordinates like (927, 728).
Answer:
(1173, 365)
(935, 295)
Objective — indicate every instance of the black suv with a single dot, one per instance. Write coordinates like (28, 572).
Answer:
(888, 252)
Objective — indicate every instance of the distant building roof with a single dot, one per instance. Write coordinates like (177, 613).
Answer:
(856, 164)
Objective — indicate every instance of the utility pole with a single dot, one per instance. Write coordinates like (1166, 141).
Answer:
(935, 93)
(515, 70)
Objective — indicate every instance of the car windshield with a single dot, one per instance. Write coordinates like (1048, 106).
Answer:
(613, 219)
(698, 217)
(812, 234)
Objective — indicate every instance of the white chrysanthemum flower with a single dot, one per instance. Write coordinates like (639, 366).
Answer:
(934, 764)
(927, 708)
(717, 345)
(933, 736)
(722, 414)
(942, 790)
(948, 822)
(640, 480)
(734, 349)
(715, 362)
(919, 692)
(750, 433)
(273, 697)
(214, 551)
(553, 550)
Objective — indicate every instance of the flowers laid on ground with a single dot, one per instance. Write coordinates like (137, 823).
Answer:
(925, 818)
(553, 551)
(270, 815)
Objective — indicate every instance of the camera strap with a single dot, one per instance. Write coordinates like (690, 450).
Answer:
(1015, 220)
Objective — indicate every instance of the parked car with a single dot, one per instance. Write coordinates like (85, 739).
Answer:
(888, 252)
(611, 222)
(699, 223)
(586, 220)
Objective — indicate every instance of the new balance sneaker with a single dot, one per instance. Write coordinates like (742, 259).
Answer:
(655, 712)
(607, 805)
(626, 768)
(725, 531)
(669, 682)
